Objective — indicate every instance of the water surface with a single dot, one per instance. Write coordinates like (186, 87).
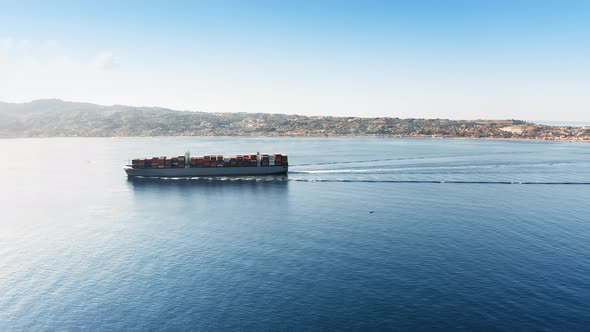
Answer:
(362, 234)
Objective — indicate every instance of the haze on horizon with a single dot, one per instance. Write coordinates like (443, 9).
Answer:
(452, 59)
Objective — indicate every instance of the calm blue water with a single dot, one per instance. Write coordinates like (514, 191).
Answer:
(463, 234)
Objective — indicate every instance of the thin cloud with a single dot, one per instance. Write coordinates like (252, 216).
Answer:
(25, 45)
(6, 43)
(106, 61)
(49, 44)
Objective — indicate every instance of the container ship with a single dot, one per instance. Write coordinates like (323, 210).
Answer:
(213, 165)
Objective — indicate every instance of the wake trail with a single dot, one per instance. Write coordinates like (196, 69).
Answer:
(381, 170)
(398, 159)
(284, 179)
(441, 182)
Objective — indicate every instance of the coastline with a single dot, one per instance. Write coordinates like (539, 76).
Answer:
(563, 140)
(57, 118)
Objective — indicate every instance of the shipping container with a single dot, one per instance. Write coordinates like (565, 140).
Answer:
(246, 160)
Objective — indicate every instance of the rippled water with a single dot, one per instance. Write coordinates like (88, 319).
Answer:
(362, 234)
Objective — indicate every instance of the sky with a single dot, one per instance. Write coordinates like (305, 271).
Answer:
(423, 59)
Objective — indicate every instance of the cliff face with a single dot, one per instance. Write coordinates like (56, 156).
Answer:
(56, 118)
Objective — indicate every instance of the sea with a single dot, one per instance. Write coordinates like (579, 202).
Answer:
(363, 234)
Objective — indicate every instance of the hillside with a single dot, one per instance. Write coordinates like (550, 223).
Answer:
(57, 118)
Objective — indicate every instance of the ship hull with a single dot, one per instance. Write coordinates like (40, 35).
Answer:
(206, 172)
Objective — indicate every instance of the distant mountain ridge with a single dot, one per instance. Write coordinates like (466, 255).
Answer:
(58, 118)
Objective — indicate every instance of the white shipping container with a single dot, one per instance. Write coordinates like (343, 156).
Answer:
(271, 158)
(271, 163)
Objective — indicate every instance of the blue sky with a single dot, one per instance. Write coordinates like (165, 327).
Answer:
(449, 59)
